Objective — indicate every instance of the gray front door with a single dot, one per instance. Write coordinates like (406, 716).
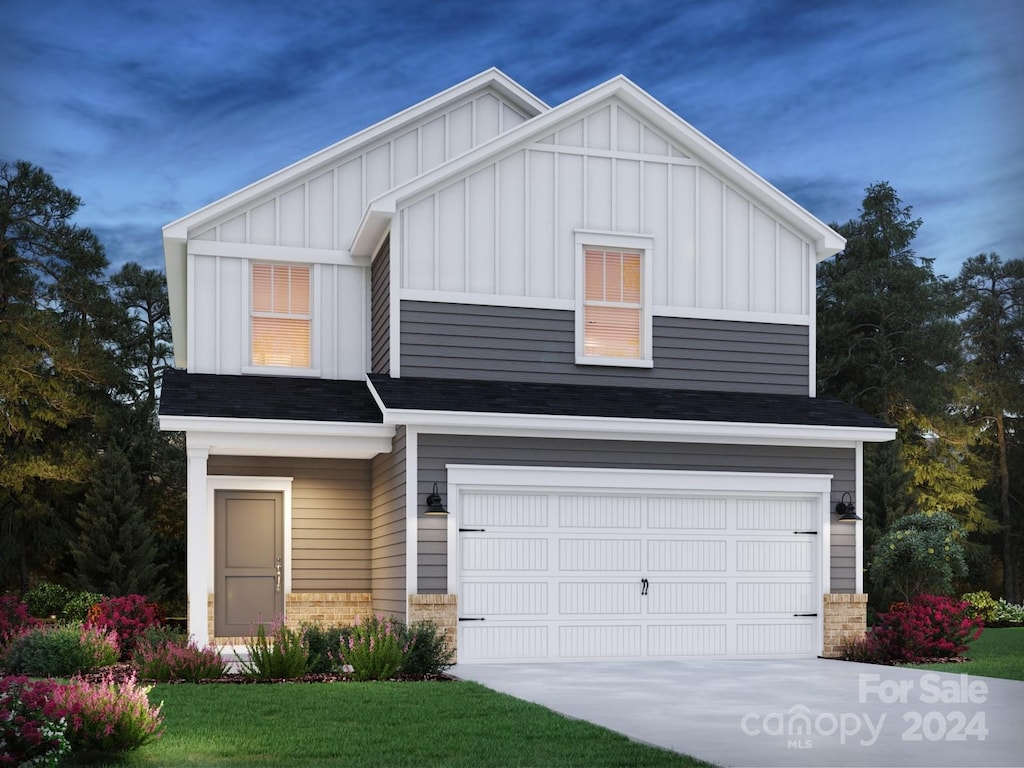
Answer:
(248, 562)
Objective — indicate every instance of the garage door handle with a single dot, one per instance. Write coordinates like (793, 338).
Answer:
(814, 532)
(472, 618)
(472, 530)
(805, 614)
(644, 584)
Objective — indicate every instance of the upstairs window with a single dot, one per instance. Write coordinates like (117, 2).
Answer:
(611, 303)
(281, 316)
(613, 314)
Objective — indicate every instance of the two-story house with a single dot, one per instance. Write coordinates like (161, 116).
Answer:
(543, 374)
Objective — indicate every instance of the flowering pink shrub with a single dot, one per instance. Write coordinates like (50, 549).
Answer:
(106, 716)
(129, 616)
(165, 660)
(376, 648)
(14, 618)
(32, 728)
(928, 627)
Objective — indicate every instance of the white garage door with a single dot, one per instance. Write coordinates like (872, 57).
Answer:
(606, 572)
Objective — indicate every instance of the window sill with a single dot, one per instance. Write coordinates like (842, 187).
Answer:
(281, 370)
(616, 362)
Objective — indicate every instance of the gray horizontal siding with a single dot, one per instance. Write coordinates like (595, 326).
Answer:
(330, 517)
(380, 310)
(388, 529)
(436, 451)
(517, 344)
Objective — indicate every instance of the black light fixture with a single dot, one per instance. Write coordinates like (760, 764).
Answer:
(434, 506)
(846, 509)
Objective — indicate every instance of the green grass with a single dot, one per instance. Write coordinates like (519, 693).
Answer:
(997, 653)
(377, 724)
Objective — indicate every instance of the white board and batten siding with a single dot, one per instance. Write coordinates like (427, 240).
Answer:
(313, 221)
(505, 231)
(219, 298)
(324, 207)
(586, 565)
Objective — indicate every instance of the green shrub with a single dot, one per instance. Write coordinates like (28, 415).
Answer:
(321, 643)
(1007, 613)
(282, 656)
(919, 554)
(47, 600)
(982, 605)
(61, 650)
(376, 648)
(428, 652)
(78, 605)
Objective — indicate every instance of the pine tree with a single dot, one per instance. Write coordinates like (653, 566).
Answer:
(115, 552)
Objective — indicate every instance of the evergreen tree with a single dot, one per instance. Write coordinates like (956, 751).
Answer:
(57, 326)
(888, 342)
(115, 552)
(992, 292)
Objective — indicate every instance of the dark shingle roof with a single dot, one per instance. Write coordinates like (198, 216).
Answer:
(616, 402)
(266, 397)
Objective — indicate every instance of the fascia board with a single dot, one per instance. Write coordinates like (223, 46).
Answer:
(489, 78)
(176, 274)
(645, 429)
(826, 240)
(275, 427)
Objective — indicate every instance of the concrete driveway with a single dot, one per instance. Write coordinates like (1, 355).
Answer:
(811, 712)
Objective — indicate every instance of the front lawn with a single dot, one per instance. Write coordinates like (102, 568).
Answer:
(377, 724)
(997, 653)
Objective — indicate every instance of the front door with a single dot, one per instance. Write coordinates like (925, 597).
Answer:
(249, 561)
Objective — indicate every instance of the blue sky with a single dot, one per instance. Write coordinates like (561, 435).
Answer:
(149, 111)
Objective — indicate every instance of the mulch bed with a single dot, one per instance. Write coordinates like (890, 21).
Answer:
(121, 672)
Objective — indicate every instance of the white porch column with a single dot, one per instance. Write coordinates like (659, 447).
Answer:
(198, 575)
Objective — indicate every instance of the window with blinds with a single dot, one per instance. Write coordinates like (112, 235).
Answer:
(612, 303)
(281, 315)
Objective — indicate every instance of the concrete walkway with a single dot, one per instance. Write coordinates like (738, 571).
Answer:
(812, 712)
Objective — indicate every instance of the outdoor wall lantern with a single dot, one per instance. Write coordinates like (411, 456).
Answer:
(846, 509)
(434, 506)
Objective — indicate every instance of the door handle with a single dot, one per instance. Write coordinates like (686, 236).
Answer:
(644, 584)
(277, 574)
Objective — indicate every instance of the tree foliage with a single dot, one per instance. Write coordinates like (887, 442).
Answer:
(992, 295)
(920, 554)
(82, 356)
(888, 341)
(115, 551)
(56, 326)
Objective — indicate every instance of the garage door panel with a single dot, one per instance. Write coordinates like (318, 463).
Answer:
(505, 598)
(687, 555)
(504, 509)
(551, 573)
(590, 598)
(481, 642)
(774, 597)
(599, 640)
(775, 556)
(604, 512)
(764, 639)
(687, 640)
(754, 514)
(687, 598)
(675, 514)
(511, 553)
(598, 554)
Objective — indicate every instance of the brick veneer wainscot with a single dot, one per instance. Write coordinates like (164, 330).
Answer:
(845, 621)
